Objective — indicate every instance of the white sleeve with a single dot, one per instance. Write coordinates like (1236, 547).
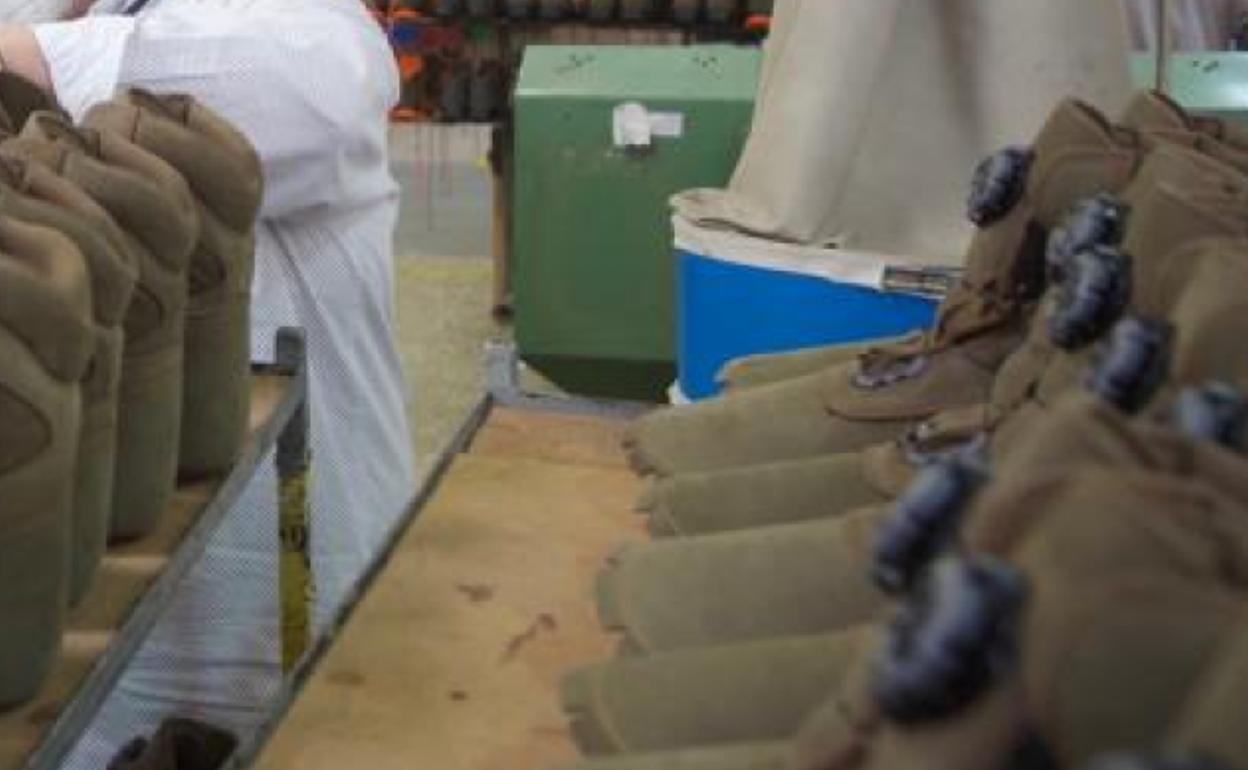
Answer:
(309, 84)
(84, 57)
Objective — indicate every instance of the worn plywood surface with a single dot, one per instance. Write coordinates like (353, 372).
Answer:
(454, 657)
(555, 437)
(124, 576)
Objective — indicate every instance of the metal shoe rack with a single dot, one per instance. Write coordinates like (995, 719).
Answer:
(138, 581)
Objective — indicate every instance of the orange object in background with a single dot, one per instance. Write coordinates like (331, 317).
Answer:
(410, 65)
(758, 24)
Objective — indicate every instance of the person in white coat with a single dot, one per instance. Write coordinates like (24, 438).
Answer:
(310, 83)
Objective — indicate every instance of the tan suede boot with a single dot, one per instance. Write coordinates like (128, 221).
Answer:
(46, 342)
(1178, 197)
(224, 175)
(1019, 195)
(153, 206)
(1116, 639)
(32, 194)
(1157, 115)
(1209, 723)
(772, 755)
(752, 692)
(766, 368)
(812, 577)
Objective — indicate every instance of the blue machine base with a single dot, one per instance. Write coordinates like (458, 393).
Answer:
(728, 310)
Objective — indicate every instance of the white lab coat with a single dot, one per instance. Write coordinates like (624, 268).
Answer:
(310, 82)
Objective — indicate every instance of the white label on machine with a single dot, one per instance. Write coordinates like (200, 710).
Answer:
(668, 124)
(632, 125)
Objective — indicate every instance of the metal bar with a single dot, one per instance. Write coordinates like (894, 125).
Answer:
(247, 753)
(503, 383)
(296, 584)
(1161, 76)
(82, 710)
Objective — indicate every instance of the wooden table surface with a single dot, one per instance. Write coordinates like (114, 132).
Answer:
(453, 659)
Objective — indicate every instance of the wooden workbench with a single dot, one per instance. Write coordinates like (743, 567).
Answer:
(125, 576)
(453, 658)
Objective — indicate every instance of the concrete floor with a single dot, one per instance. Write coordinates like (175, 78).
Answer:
(443, 268)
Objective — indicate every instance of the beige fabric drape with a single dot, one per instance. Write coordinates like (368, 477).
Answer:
(873, 113)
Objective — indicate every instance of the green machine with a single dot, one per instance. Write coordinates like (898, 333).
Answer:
(1213, 83)
(604, 135)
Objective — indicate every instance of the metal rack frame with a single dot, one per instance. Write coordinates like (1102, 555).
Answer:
(286, 428)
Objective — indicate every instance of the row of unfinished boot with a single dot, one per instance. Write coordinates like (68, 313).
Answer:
(1017, 538)
(126, 258)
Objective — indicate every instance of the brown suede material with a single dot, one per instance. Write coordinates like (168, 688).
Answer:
(1080, 432)
(1077, 154)
(41, 197)
(752, 691)
(223, 173)
(26, 433)
(59, 205)
(1109, 665)
(112, 276)
(172, 222)
(153, 207)
(47, 297)
(225, 184)
(889, 468)
(1190, 197)
(1210, 316)
(45, 343)
(955, 377)
(982, 737)
(765, 368)
(1211, 722)
(802, 578)
(759, 495)
(773, 755)
(1178, 196)
(782, 421)
(839, 732)
(155, 212)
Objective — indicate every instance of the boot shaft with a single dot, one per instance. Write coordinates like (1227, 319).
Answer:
(1211, 721)
(148, 201)
(146, 196)
(46, 320)
(217, 161)
(34, 195)
(1076, 155)
(47, 292)
(1179, 198)
(221, 169)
